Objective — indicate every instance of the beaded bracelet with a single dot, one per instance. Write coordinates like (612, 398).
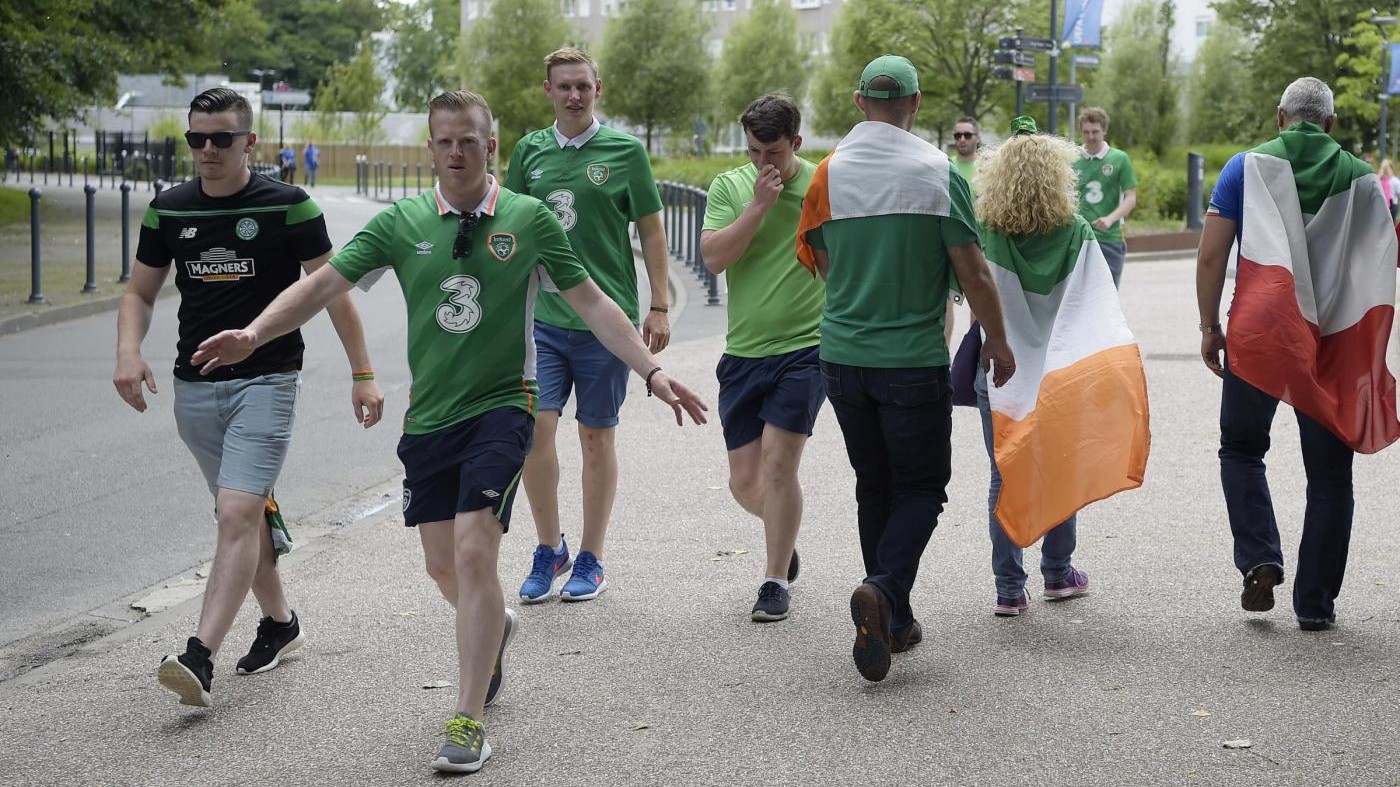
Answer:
(648, 379)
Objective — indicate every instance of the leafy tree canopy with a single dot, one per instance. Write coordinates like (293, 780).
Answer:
(502, 58)
(655, 66)
(762, 54)
(423, 51)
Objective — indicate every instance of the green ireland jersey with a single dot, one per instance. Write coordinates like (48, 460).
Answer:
(887, 286)
(470, 321)
(596, 184)
(1102, 181)
(775, 306)
(968, 170)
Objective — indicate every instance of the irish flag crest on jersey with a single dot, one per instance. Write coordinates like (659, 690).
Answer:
(1071, 426)
(1315, 289)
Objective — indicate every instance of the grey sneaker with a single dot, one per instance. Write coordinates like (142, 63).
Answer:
(772, 604)
(465, 749)
(493, 691)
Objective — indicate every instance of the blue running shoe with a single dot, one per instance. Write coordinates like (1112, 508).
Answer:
(547, 566)
(587, 581)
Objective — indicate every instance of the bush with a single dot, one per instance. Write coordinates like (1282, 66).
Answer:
(700, 172)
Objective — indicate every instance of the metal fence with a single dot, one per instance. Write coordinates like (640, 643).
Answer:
(376, 179)
(683, 215)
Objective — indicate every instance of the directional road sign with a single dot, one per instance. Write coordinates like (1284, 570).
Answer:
(1064, 94)
(286, 98)
(1026, 44)
(1086, 61)
(1013, 57)
(1014, 74)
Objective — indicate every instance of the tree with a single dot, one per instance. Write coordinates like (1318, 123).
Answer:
(655, 66)
(58, 57)
(1359, 77)
(355, 87)
(423, 51)
(761, 55)
(1220, 101)
(1137, 83)
(502, 58)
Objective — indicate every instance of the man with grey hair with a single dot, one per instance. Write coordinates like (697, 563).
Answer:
(1312, 309)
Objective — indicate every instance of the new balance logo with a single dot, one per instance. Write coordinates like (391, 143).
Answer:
(423, 247)
(187, 232)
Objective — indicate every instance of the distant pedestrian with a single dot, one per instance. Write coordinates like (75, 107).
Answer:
(11, 164)
(1309, 324)
(770, 384)
(886, 221)
(288, 157)
(1080, 381)
(470, 257)
(237, 241)
(311, 157)
(967, 139)
(1107, 188)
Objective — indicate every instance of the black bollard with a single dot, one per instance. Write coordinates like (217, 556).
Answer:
(36, 268)
(405, 180)
(89, 194)
(85, 172)
(420, 176)
(126, 232)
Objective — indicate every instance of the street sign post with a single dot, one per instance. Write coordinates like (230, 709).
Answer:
(282, 96)
(1064, 94)
(1026, 44)
(1086, 61)
(1013, 57)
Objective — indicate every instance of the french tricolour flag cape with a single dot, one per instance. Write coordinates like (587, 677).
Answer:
(1071, 426)
(1315, 288)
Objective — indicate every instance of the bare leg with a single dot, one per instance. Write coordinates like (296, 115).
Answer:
(782, 495)
(746, 477)
(599, 485)
(541, 478)
(267, 582)
(236, 553)
(481, 611)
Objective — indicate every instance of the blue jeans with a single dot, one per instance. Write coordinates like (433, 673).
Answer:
(1114, 253)
(898, 427)
(1246, 413)
(1056, 549)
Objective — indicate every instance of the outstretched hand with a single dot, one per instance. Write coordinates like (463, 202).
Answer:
(681, 399)
(224, 348)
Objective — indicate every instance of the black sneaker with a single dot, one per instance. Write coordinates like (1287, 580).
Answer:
(274, 640)
(871, 614)
(493, 691)
(1316, 624)
(189, 674)
(772, 603)
(906, 637)
(794, 567)
(1259, 584)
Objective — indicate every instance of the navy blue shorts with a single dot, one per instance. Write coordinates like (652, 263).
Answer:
(568, 360)
(783, 390)
(466, 467)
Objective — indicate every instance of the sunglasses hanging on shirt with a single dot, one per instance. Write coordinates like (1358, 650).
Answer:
(462, 248)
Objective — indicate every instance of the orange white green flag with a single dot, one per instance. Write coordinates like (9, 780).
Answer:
(1071, 426)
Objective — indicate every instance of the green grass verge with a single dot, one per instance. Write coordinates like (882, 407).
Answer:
(14, 207)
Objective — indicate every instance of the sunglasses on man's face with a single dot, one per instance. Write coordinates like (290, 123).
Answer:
(964, 134)
(462, 248)
(221, 139)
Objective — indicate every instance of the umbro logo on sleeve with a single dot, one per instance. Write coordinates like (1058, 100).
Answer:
(423, 247)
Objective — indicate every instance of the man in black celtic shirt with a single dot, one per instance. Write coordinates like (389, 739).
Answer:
(237, 241)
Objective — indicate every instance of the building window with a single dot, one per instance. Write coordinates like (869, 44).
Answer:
(805, 4)
(1203, 26)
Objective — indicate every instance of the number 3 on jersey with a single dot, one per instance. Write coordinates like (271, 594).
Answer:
(563, 202)
(1093, 192)
(462, 312)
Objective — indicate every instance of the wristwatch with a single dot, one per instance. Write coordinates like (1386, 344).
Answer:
(1212, 328)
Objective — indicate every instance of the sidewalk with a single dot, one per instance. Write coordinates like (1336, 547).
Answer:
(664, 680)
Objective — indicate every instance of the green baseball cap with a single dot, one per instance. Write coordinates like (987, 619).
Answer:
(895, 67)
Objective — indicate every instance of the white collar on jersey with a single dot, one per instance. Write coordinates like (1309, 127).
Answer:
(1102, 152)
(578, 141)
(487, 206)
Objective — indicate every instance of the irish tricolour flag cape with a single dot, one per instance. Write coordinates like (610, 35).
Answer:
(1315, 288)
(1070, 427)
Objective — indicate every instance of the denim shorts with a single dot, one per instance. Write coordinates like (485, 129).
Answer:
(466, 467)
(567, 360)
(238, 430)
(783, 390)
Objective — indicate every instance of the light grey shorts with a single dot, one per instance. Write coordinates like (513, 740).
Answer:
(238, 430)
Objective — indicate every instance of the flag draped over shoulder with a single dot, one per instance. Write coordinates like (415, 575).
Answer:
(1315, 288)
(876, 170)
(1071, 426)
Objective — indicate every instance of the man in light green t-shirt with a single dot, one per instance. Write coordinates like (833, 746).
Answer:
(770, 386)
(470, 258)
(598, 180)
(1107, 188)
(967, 138)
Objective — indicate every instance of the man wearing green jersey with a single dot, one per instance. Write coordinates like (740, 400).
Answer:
(1107, 188)
(770, 386)
(470, 257)
(885, 217)
(597, 180)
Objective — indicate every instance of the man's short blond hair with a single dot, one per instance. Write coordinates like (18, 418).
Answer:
(568, 56)
(458, 101)
(1094, 115)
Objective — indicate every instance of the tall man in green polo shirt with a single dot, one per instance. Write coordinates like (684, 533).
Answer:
(470, 257)
(884, 219)
(770, 386)
(1107, 188)
(598, 180)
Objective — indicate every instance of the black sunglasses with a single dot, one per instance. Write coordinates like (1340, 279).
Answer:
(221, 139)
(462, 248)
(964, 134)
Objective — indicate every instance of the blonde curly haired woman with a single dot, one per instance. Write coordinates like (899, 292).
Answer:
(1027, 201)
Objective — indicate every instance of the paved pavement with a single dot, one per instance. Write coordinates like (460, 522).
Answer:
(665, 681)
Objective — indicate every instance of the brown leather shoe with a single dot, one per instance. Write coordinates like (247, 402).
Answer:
(902, 639)
(871, 614)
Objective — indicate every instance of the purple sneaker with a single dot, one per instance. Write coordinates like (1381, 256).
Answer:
(1011, 607)
(1076, 584)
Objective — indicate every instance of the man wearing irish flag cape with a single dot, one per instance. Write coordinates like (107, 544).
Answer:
(886, 221)
(1312, 311)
